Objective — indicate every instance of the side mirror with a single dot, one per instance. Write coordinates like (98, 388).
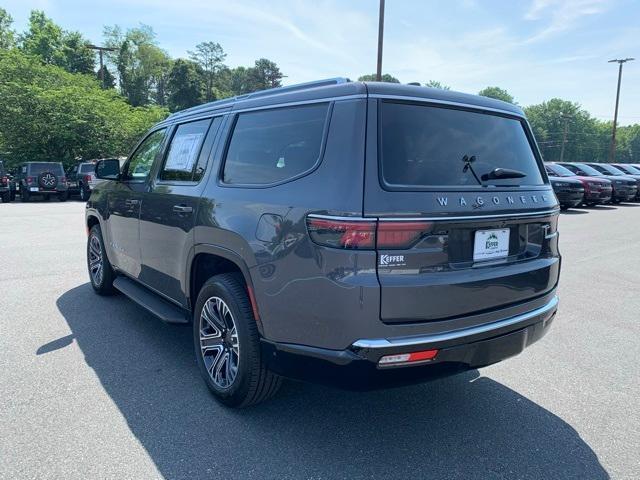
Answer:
(108, 169)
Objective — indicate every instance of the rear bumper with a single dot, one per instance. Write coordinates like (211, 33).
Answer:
(459, 350)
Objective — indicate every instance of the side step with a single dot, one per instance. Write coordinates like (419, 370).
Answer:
(161, 308)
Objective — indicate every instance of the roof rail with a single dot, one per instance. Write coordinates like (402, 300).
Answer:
(262, 93)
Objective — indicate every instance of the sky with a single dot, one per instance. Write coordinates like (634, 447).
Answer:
(535, 49)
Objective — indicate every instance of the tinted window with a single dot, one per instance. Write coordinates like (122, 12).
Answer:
(560, 171)
(630, 169)
(184, 150)
(592, 172)
(37, 168)
(424, 146)
(141, 161)
(275, 145)
(87, 168)
(610, 169)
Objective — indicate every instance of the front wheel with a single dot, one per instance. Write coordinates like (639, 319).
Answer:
(101, 273)
(228, 345)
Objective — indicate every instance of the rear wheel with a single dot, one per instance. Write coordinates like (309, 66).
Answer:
(24, 194)
(6, 197)
(228, 345)
(84, 193)
(63, 196)
(12, 196)
(101, 273)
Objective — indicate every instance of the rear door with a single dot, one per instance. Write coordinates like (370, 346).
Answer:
(124, 199)
(169, 207)
(453, 240)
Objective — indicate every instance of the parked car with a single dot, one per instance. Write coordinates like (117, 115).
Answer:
(628, 169)
(7, 185)
(624, 188)
(359, 234)
(611, 171)
(596, 189)
(569, 191)
(44, 179)
(81, 179)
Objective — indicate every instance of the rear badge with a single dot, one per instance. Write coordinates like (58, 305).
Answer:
(392, 260)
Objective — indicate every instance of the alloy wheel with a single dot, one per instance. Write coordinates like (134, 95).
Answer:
(219, 342)
(96, 263)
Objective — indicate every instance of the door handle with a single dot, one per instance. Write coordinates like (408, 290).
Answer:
(182, 209)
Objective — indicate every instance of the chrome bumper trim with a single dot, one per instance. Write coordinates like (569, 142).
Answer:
(456, 334)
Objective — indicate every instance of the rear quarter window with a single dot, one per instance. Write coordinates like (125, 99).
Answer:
(423, 146)
(273, 146)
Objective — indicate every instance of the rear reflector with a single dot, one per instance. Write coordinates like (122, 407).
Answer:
(422, 356)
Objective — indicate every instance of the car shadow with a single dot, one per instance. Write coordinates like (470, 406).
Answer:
(600, 207)
(465, 426)
(628, 205)
(573, 211)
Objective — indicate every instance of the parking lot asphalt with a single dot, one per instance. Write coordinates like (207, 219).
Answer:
(95, 387)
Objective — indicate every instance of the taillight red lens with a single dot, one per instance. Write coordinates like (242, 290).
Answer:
(5, 180)
(87, 178)
(337, 233)
(401, 234)
(29, 179)
(423, 356)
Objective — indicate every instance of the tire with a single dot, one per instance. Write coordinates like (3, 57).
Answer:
(6, 197)
(252, 382)
(102, 284)
(63, 196)
(24, 194)
(12, 196)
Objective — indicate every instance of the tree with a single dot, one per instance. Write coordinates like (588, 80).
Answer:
(109, 81)
(586, 140)
(265, 74)
(75, 56)
(142, 66)
(7, 35)
(186, 85)
(372, 78)
(63, 116)
(210, 56)
(437, 84)
(43, 38)
(497, 93)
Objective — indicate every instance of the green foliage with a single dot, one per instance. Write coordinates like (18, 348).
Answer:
(437, 84)
(587, 138)
(56, 46)
(54, 115)
(497, 93)
(372, 78)
(143, 67)
(7, 35)
(186, 85)
(209, 56)
(106, 80)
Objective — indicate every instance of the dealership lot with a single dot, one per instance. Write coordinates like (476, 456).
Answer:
(95, 387)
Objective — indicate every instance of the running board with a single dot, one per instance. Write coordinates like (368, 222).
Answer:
(163, 309)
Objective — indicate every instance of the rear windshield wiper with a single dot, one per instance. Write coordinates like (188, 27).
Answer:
(468, 160)
(500, 173)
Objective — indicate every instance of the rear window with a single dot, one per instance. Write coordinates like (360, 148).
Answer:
(272, 146)
(424, 146)
(87, 168)
(38, 168)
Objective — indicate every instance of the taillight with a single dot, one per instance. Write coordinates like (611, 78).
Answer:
(364, 234)
(339, 233)
(400, 234)
(5, 180)
(87, 178)
(30, 180)
(63, 179)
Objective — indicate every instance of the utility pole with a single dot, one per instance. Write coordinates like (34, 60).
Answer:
(566, 119)
(612, 148)
(101, 50)
(380, 35)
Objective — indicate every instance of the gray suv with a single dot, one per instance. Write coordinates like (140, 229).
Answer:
(356, 234)
(43, 180)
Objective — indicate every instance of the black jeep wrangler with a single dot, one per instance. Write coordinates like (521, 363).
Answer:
(359, 234)
(43, 179)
